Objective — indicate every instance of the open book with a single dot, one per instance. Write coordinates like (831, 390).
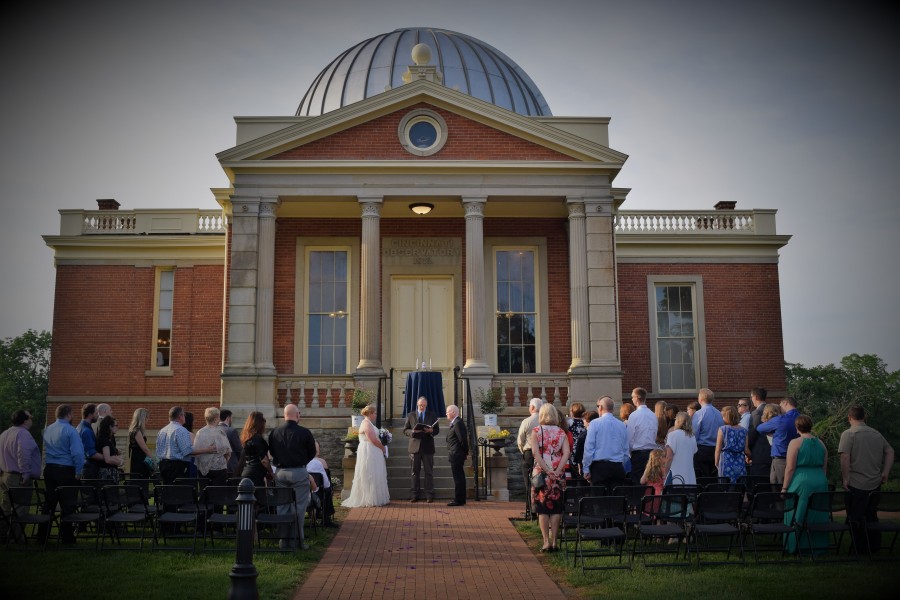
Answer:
(421, 426)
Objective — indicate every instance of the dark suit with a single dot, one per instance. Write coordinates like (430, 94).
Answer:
(421, 452)
(234, 440)
(457, 450)
(760, 450)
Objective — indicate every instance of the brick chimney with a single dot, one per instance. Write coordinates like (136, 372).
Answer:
(725, 205)
(107, 204)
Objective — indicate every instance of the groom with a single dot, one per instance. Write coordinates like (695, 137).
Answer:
(421, 448)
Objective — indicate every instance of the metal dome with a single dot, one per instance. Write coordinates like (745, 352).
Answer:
(467, 64)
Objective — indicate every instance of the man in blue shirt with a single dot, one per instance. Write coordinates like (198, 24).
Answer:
(706, 423)
(174, 449)
(89, 441)
(64, 458)
(605, 447)
(783, 431)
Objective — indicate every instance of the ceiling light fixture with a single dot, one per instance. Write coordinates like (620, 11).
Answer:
(421, 208)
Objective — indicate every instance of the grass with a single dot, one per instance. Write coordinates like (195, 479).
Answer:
(147, 575)
(796, 581)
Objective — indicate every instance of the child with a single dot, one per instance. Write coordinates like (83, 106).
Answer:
(654, 473)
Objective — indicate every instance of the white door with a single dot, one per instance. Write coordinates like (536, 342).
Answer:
(421, 329)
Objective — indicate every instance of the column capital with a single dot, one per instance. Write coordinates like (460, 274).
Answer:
(576, 209)
(474, 205)
(268, 206)
(371, 207)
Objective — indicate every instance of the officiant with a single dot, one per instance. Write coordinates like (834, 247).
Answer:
(421, 427)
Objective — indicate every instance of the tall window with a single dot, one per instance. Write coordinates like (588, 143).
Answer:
(162, 343)
(677, 337)
(515, 309)
(327, 312)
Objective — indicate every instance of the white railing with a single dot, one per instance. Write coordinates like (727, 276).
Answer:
(315, 391)
(519, 389)
(98, 222)
(687, 222)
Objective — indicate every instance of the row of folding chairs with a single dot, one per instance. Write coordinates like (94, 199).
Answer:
(600, 521)
(176, 513)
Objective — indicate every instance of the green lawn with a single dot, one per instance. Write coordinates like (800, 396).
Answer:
(805, 580)
(114, 574)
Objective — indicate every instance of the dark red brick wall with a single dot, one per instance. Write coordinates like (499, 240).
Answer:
(742, 308)
(102, 332)
(377, 139)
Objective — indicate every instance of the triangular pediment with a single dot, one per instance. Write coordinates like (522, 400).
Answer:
(479, 132)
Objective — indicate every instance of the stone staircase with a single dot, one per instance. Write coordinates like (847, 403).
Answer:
(399, 467)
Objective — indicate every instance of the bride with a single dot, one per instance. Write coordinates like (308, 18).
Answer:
(370, 487)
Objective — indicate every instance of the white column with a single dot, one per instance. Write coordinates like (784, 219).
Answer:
(370, 287)
(476, 323)
(265, 286)
(578, 285)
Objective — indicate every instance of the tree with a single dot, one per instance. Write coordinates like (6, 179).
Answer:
(24, 376)
(826, 392)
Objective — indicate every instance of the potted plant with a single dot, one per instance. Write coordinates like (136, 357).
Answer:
(497, 439)
(361, 399)
(351, 441)
(491, 402)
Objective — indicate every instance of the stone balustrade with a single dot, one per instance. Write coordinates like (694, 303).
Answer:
(703, 222)
(142, 222)
(316, 391)
(519, 389)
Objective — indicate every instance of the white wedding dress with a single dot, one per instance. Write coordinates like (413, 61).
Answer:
(370, 486)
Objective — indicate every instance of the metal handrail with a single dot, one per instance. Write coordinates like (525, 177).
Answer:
(473, 437)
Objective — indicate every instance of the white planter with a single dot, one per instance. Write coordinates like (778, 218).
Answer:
(356, 420)
(490, 420)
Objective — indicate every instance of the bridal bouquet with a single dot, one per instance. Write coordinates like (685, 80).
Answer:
(385, 436)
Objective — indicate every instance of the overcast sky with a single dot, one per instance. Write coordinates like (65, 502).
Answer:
(774, 106)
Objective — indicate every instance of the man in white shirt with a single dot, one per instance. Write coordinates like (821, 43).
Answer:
(642, 428)
(523, 440)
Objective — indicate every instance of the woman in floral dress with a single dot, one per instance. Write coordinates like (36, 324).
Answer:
(732, 446)
(550, 445)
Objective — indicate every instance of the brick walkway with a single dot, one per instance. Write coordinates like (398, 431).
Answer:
(432, 551)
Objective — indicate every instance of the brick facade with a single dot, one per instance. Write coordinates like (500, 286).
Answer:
(742, 308)
(102, 332)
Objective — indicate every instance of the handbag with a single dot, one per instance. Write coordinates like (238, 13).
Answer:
(539, 481)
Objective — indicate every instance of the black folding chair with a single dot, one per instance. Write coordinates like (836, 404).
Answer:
(177, 513)
(886, 508)
(316, 509)
(703, 482)
(718, 515)
(79, 506)
(27, 510)
(668, 518)
(771, 517)
(277, 511)
(124, 506)
(571, 498)
(819, 520)
(598, 519)
(223, 516)
(633, 495)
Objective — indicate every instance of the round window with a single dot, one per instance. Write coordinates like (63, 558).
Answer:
(422, 132)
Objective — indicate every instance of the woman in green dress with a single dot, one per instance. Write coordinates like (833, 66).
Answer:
(805, 474)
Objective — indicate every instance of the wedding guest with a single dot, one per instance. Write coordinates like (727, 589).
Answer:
(551, 453)
(731, 446)
(255, 450)
(138, 452)
(213, 466)
(106, 445)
